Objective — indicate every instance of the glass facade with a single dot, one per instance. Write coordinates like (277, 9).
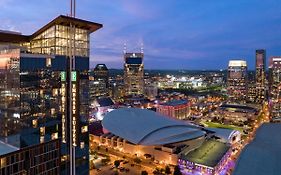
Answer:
(43, 158)
(237, 80)
(56, 41)
(275, 87)
(31, 106)
(134, 74)
(34, 91)
(260, 75)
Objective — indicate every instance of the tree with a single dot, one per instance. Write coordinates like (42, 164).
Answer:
(137, 160)
(167, 170)
(105, 161)
(144, 173)
(177, 171)
(116, 163)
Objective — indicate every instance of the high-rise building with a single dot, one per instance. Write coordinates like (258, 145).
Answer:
(34, 97)
(275, 87)
(260, 75)
(133, 74)
(237, 80)
(99, 85)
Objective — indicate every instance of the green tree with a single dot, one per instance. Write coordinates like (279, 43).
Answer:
(177, 171)
(105, 161)
(144, 173)
(137, 160)
(116, 163)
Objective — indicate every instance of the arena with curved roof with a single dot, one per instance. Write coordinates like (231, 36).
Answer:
(145, 127)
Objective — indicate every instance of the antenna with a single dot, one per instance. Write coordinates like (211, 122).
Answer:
(72, 8)
(72, 170)
(142, 47)
(125, 48)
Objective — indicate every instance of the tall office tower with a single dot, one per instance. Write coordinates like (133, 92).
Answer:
(237, 80)
(275, 87)
(260, 75)
(35, 98)
(133, 74)
(99, 86)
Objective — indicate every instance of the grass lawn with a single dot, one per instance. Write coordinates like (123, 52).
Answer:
(218, 125)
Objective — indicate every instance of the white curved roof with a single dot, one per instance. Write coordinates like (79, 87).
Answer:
(145, 127)
(225, 134)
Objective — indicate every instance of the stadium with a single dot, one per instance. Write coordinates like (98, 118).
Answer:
(147, 134)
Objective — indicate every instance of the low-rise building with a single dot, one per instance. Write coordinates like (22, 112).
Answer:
(209, 158)
(178, 109)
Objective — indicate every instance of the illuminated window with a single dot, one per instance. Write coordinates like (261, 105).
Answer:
(84, 129)
(48, 62)
(55, 92)
(53, 111)
(34, 123)
(41, 139)
(42, 131)
(3, 162)
(82, 145)
(54, 136)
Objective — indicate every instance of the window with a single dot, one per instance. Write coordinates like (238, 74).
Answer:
(54, 136)
(3, 162)
(48, 62)
(42, 131)
(34, 123)
(84, 129)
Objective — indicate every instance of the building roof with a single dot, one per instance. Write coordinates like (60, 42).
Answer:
(263, 154)
(134, 60)
(238, 107)
(237, 63)
(60, 20)
(6, 148)
(100, 67)
(223, 133)
(106, 101)
(146, 127)
(175, 102)
(208, 154)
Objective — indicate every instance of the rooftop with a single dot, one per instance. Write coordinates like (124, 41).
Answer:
(209, 153)
(263, 153)
(175, 102)
(106, 101)
(6, 148)
(146, 127)
(60, 20)
(236, 106)
(237, 63)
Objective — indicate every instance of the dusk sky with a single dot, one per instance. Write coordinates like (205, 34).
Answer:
(177, 34)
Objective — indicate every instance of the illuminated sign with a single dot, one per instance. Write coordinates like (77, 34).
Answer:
(63, 76)
(74, 113)
(75, 107)
(63, 104)
(73, 76)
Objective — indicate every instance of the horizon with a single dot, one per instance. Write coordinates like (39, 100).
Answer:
(176, 35)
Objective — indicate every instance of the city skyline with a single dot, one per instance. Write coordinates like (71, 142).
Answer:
(177, 35)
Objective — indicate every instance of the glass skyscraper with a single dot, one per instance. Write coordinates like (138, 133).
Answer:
(34, 103)
(260, 75)
(133, 74)
(237, 80)
(275, 87)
